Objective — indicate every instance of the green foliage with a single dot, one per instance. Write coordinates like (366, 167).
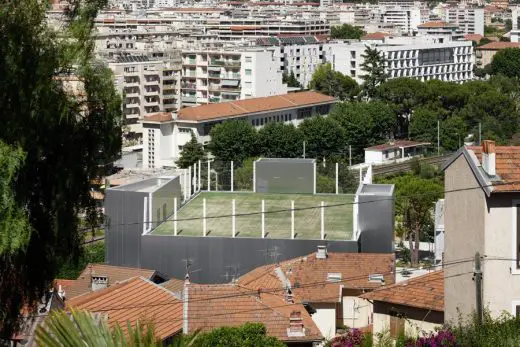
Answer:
(243, 176)
(365, 124)
(291, 80)
(233, 140)
(280, 140)
(325, 184)
(83, 329)
(483, 41)
(333, 83)
(502, 331)
(191, 153)
(70, 268)
(374, 67)
(506, 62)
(247, 335)
(508, 23)
(324, 137)
(346, 31)
(63, 137)
(423, 126)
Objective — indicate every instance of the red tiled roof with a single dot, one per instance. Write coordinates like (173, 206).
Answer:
(308, 275)
(396, 144)
(216, 305)
(243, 107)
(133, 300)
(507, 165)
(499, 45)
(244, 27)
(473, 37)
(436, 25)
(425, 292)
(159, 117)
(375, 36)
(174, 285)
(115, 274)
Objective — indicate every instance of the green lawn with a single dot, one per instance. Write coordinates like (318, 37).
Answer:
(338, 219)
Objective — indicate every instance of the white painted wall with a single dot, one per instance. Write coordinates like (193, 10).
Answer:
(374, 157)
(265, 78)
(356, 312)
(325, 319)
(412, 327)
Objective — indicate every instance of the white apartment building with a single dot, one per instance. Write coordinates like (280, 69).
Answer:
(218, 76)
(469, 20)
(165, 134)
(515, 31)
(443, 31)
(419, 58)
(147, 86)
(406, 18)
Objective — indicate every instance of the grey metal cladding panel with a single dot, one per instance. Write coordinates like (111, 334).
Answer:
(376, 222)
(125, 223)
(162, 201)
(284, 177)
(218, 259)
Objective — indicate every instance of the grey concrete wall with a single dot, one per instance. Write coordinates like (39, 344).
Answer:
(213, 257)
(273, 176)
(125, 220)
(376, 222)
(162, 201)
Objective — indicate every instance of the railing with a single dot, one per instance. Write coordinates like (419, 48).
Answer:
(217, 62)
(189, 85)
(188, 98)
(212, 75)
(214, 99)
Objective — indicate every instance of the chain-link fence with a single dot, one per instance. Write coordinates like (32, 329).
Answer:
(335, 178)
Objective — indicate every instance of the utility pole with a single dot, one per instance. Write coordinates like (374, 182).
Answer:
(349, 155)
(479, 133)
(438, 137)
(303, 149)
(477, 276)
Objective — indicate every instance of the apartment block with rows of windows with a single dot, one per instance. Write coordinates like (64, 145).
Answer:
(469, 20)
(219, 76)
(147, 87)
(482, 214)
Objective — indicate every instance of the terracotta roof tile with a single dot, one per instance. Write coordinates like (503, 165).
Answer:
(159, 117)
(134, 300)
(436, 25)
(473, 37)
(375, 36)
(216, 305)
(396, 144)
(308, 275)
(499, 45)
(115, 274)
(174, 285)
(507, 165)
(244, 107)
(425, 292)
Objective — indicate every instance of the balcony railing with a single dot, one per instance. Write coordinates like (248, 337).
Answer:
(217, 62)
(151, 81)
(214, 99)
(189, 85)
(168, 77)
(132, 105)
(214, 75)
(188, 98)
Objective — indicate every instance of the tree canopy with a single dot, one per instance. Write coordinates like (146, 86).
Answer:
(346, 31)
(191, 153)
(374, 66)
(506, 62)
(247, 335)
(324, 137)
(233, 140)
(333, 83)
(280, 140)
(57, 142)
(291, 80)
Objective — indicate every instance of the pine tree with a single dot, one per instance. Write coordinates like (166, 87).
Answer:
(375, 74)
(191, 153)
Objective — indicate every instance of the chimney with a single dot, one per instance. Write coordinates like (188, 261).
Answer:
(322, 252)
(289, 297)
(61, 292)
(488, 157)
(296, 327)
(98, 282)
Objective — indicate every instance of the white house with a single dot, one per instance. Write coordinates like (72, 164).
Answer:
(393, 151)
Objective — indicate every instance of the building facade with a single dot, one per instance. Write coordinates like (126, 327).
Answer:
(469, 20)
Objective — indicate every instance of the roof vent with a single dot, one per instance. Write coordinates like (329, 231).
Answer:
(322, 252)
(296, 327)
(334, 277)
(376, 278)
(488, 157)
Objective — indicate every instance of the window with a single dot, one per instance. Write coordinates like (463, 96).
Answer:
(248, 72)
(249, 59)
(304, 113)
(334, 277)
(185, 130)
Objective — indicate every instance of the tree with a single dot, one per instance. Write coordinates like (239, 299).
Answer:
(280, 140)
(291, 80)
(191, 153)
(244, 175)
(508, 24)
(365, 124)
(483, 41)
(65, 140)
(324, 137)
(333, 83)
(506, 62)
(247, 335)
(346, 31)
(233, 140)
(452, 133)
(374, 66)
(423, 125)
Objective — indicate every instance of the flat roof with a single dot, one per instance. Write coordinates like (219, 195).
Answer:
(377, 189)
(285, 160)
(145, 186)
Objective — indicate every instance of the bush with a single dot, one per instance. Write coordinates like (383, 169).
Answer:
(352, 338)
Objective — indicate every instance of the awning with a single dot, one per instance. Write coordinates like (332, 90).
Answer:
(230, 83)
(214, 68)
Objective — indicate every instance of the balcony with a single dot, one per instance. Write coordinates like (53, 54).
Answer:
(190, 62)
(224, 88)
(132, 115)
(132, 105)
(189, 86)
(151, 103)
(151, 92)
(232, 63)
(188, 75)
(132, 84)
(189, 98)
(214, 75)
(214, 99)
(169, 87)
(132, 95)
(151, 82)
(170, 105)
(217, 63)
(150, 72)
(168, 78)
